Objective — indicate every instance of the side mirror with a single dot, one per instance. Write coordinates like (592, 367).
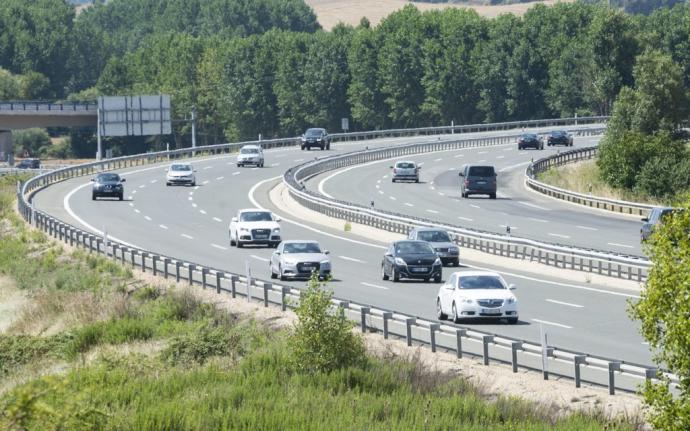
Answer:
(391, 167)
(461, 174)
(93, 179)
(512, 287)
(644, 219)
(389, 255)
(234, 220)
(419, 168)
(194, 170)
(326, 252)
(276, 252)
(278, 220)
(122, 180)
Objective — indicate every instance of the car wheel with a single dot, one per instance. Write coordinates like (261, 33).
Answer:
(120, 197)
(416, 180)
(456, 262)
(439, 311)
(396, 275)
(384, 276)
(273, 274)
(512, 320)
(323, 147)
(328, 147)
(492, 196)
(239, 244)
(456, 317)
(93, 196)
(280, 274)
(194, 184)
(519, 148)
(301, 147)
(437, 279)
(167, 184)
(541, 147)
(393, 180)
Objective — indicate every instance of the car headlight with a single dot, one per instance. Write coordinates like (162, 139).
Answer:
(467, 300)
(399, 261)
(326, 262)
(276, 230)
(511, 300)
(437, 261)
(244, 229)
(453, 249)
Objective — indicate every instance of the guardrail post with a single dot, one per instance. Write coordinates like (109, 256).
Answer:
(514, 347)
(459, 333)
(154, 258)
(190, 274)
(219, 276)
(144, 255)
(115, 248)
(408, 323)
(386, 316)
(267, 287)
(178, 264)
(233, 285)
(486, 339)
(577, 361)
(284, 290)
(363, 312)
(613, 367)
(166, 262)
(650, 373)
(204, 271)
(432, 335)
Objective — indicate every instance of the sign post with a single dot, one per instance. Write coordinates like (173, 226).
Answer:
(544, 353)
(248, 271)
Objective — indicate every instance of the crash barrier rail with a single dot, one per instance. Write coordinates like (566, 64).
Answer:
(491, 348)
(562, 256)
(40, 105)
(572, 156)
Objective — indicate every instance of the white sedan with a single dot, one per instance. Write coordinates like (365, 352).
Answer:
(180, 173)
(298, 259)
(476, 295)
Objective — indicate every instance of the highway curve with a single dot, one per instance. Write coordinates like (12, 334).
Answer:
(191, 223)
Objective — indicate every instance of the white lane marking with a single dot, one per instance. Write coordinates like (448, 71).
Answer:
(147, 218)
(275, 164)
(298, 160)
(231, 163)
(507, 149)
(190, 198)
(568, 304)
(546, 322)
(351, 259)
(378, 182)
(236, 173)
(154, 181)
(432, 188)
(194, 205)
(263, 259)
(482, 152)
(538, 220)
(420, 164)
(162, 226)
(508, 168)
(438, 160)
(129, 198)
(254, 168)
(500, 157)
(409, 204)
(184, 235)
(393, 198)
(219, 247)
(217, 219)
(380, 192)
(191, 193)
(196, 187)
(586, 228)
(206, 182)
(505, 226)
(432, 211)
(482, 161)
(202, 211)
(558, 235)
(142, 186)
(377, 186)
(465, 218)
(441, 194)
(527, 204)
(474, 206)
(615, 244)
(219, 178)
(457, 156)
(131, 204)
(384, 177)
(134, 191)
(373, 285)
(137, 211)
(207, 167)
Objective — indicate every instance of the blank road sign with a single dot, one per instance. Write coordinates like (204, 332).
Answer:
(134, 115)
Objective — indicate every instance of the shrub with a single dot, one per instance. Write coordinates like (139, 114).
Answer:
(31, 140)
(323, 341)
(203, 344)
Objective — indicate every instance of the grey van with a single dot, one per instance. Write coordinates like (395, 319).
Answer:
(655, 218)
(478, 180)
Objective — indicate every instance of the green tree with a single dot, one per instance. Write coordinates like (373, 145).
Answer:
(364, 96)
(664, 313)
(30, 141)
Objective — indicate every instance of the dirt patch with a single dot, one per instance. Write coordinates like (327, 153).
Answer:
(12, 301)
(331, 12)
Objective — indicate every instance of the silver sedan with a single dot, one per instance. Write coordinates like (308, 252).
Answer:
(298, 259)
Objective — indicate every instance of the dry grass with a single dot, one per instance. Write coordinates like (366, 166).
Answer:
(331, 12)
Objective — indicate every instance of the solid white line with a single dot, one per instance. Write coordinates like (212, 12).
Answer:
(546, 322)
(263, 259)
(147, 218)
(538, 220)
(615, 244)
(184, 235)
(374, 285)
(351, 259)
(236, 173)
(586, 228)
(558, 235)
(217, 219)
(432, 211)
(162, 226)
(565, 303)
(219, 246)
(409, 204)
(219, 178)
(465, 218)
(202, 211)
(527, 204)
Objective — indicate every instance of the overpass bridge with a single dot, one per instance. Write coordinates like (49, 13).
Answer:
(24, 115)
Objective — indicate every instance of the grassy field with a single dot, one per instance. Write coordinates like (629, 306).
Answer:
(97, 348)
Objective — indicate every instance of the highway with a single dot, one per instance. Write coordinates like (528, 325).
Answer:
(191, 223)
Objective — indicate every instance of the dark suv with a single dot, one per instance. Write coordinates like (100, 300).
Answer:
(478, 180)
(559, 137)
(530, 140)
(29, 164)
(315, 137)
(411, 259)
(108, 185)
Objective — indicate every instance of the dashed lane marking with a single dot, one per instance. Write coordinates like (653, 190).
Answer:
(432, 211)
(262, 259)
(558, 235)
(374, 285)
(162, 226)
(351, 259)
(202, 212)
(184, 235)
(586, 228)
(147, 218)
(408, 204)
(217, 219)
(236, 173)
(567, 304)
(465, 218)
(220, 247)
(615, 244)
(546, 322)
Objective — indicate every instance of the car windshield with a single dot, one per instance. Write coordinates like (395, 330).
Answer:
(256, 216)
(480, 282)
(404, 165)
(313, 132)
(413, 248)
(301, 247)
(179, 168)
(433, 236)
(482, 171)
(529, 136)
(107, 178)
(558, 133)
(249, 151)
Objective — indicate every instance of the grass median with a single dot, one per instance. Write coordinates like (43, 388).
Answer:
(94, 347)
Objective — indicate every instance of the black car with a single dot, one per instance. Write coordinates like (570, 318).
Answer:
(530, 140)
(29, 164)
(559, 137)
(411, 259)
(315, 137)
(107, 185)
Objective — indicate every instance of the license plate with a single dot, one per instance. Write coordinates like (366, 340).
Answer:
(490, 311)
(419, 270)
(261, 236)
(309, 268)
(481, 182)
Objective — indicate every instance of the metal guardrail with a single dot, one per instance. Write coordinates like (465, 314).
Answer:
(581, 367)
(562, 256)
(573, 156)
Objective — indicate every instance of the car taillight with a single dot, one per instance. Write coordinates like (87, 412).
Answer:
(467, 182)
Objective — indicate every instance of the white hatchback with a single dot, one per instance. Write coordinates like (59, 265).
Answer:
(180, 173)
(476, 295)
(251, 155)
